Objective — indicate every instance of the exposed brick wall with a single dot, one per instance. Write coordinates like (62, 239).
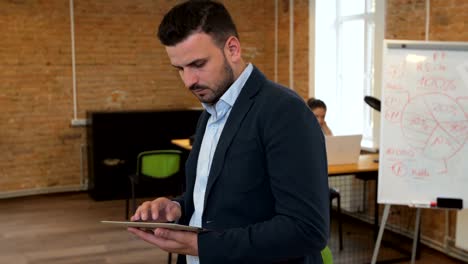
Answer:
(120, 65)
(301, 48)
(406, 19)
(37, 147)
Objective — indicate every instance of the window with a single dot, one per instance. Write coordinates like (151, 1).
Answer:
(345, 52)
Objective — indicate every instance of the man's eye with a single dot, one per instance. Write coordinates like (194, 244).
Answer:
(199, 64)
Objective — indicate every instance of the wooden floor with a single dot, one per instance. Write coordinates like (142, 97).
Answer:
(66, 229)
(358, 246)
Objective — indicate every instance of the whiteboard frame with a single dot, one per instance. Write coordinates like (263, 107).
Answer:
(419, 45)
(425, 45)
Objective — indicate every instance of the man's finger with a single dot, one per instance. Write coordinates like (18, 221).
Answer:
(161, 242)
(172, 212)
(182, 237)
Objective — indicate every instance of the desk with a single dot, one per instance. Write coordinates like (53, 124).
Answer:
(365, 169)
(183, 143)
(366, 163)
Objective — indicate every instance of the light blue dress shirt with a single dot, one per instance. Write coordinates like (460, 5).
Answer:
(214, 127)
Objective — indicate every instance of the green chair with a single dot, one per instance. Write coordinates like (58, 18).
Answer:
(327, 256)
(156, 166)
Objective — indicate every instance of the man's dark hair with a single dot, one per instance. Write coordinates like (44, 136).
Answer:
(195, 16)
(316, 103)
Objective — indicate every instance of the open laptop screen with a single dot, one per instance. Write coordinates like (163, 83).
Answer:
(343, 149)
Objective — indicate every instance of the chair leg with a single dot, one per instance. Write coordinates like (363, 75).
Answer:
(131, 196)
(169, 258)
(127, 202)
(331, 210)
(364, 196)
(340, 226)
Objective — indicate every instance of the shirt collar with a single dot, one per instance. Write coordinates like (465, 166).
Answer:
(228, 99)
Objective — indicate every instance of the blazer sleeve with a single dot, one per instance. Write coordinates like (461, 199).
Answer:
(296, 165)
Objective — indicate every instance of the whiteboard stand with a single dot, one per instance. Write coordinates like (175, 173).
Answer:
(386, 212)
(381, 230)
(416, 235)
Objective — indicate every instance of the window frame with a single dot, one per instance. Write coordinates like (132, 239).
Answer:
(374, 19)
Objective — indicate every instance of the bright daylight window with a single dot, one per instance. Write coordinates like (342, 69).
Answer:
(344, 63)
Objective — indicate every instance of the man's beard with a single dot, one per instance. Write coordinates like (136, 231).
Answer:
(224, 85)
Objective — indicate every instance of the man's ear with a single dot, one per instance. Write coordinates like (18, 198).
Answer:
(233, 48)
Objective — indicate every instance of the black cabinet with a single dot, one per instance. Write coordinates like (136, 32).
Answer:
(116, 138)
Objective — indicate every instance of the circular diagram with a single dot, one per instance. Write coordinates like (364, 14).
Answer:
(435, 125)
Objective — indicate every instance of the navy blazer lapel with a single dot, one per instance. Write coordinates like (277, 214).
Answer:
(238, 112)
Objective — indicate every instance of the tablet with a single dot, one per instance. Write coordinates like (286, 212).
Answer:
(153, 225)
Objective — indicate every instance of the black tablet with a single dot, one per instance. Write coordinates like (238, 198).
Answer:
(153, 225)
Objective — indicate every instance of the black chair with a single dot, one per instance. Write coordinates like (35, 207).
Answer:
(335, 194)
(373, 102)
(160, 167)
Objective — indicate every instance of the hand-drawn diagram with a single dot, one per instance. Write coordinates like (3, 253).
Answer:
(435, 125)
(425, 102)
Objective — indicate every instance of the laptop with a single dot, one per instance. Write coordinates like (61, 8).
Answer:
(343, 149)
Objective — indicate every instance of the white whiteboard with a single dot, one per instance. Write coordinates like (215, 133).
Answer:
(424, 123)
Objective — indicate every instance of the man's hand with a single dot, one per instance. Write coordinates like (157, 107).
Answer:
(180, 242)
(160, 210)
(165, 210)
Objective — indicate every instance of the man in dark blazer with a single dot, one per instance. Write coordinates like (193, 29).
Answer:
(256, 178)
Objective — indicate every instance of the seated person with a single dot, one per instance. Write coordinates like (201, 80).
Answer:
(319, 108)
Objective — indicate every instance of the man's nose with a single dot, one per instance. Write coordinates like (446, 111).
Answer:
(189, 77)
